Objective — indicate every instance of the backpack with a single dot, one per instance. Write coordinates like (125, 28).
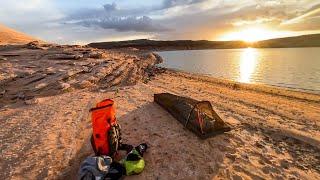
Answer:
(106, 137)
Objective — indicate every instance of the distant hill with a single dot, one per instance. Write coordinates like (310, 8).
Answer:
(10, 36)
(311, 40)
(145, 44)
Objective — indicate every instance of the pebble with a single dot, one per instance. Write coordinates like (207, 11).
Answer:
(31, 101)
(41, 85)
(84, 84)
(102, 90)
(65, 86)
(20, 95)
(95, 55)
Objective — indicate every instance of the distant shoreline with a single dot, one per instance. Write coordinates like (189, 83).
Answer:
(259, 87)
(231, 48)
(312, 40)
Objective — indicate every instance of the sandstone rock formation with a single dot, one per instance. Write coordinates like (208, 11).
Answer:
(38, 69)
(11, 36)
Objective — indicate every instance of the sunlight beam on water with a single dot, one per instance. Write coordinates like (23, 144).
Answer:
(248, 64)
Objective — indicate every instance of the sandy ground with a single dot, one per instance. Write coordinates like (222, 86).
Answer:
(275, 132)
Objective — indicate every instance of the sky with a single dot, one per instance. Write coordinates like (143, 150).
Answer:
(81, 22)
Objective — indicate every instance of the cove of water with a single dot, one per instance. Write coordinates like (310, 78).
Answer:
(297, 68)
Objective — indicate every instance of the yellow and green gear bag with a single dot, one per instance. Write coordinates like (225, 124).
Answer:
(134, 167)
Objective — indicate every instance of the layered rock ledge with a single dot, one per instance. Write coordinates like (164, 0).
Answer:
(32, 70)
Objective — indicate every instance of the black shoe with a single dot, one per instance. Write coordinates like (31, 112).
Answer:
(142, 148)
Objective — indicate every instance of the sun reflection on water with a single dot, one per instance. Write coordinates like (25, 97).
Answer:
(248, 63)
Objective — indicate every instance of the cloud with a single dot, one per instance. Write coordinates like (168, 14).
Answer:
(110, 7)
(138, 24)
(163, 19)
(112, 17)
(277, 15)
(126, 19)
(28, 11)
(173, 3)
(308, 20)
(309, 14)
(235, 16)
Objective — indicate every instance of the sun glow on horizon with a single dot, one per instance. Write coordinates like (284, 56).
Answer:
(253, 35)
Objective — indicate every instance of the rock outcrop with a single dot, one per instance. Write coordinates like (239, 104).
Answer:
(38, 69)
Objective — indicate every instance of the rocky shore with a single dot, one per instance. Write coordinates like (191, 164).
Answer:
(47, 90)
(34, 70)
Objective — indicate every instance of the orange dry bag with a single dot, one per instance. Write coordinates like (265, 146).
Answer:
(106, 137)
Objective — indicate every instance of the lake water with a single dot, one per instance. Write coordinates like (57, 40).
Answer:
(297, 68)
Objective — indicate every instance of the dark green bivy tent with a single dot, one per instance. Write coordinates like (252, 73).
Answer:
(197, 116)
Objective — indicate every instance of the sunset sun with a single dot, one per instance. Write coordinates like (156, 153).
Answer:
(251, 35)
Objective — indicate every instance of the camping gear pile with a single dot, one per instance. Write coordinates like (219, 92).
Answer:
(106, 143)
(197, 116)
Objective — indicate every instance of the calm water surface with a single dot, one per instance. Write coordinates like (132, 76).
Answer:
(297, 68)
